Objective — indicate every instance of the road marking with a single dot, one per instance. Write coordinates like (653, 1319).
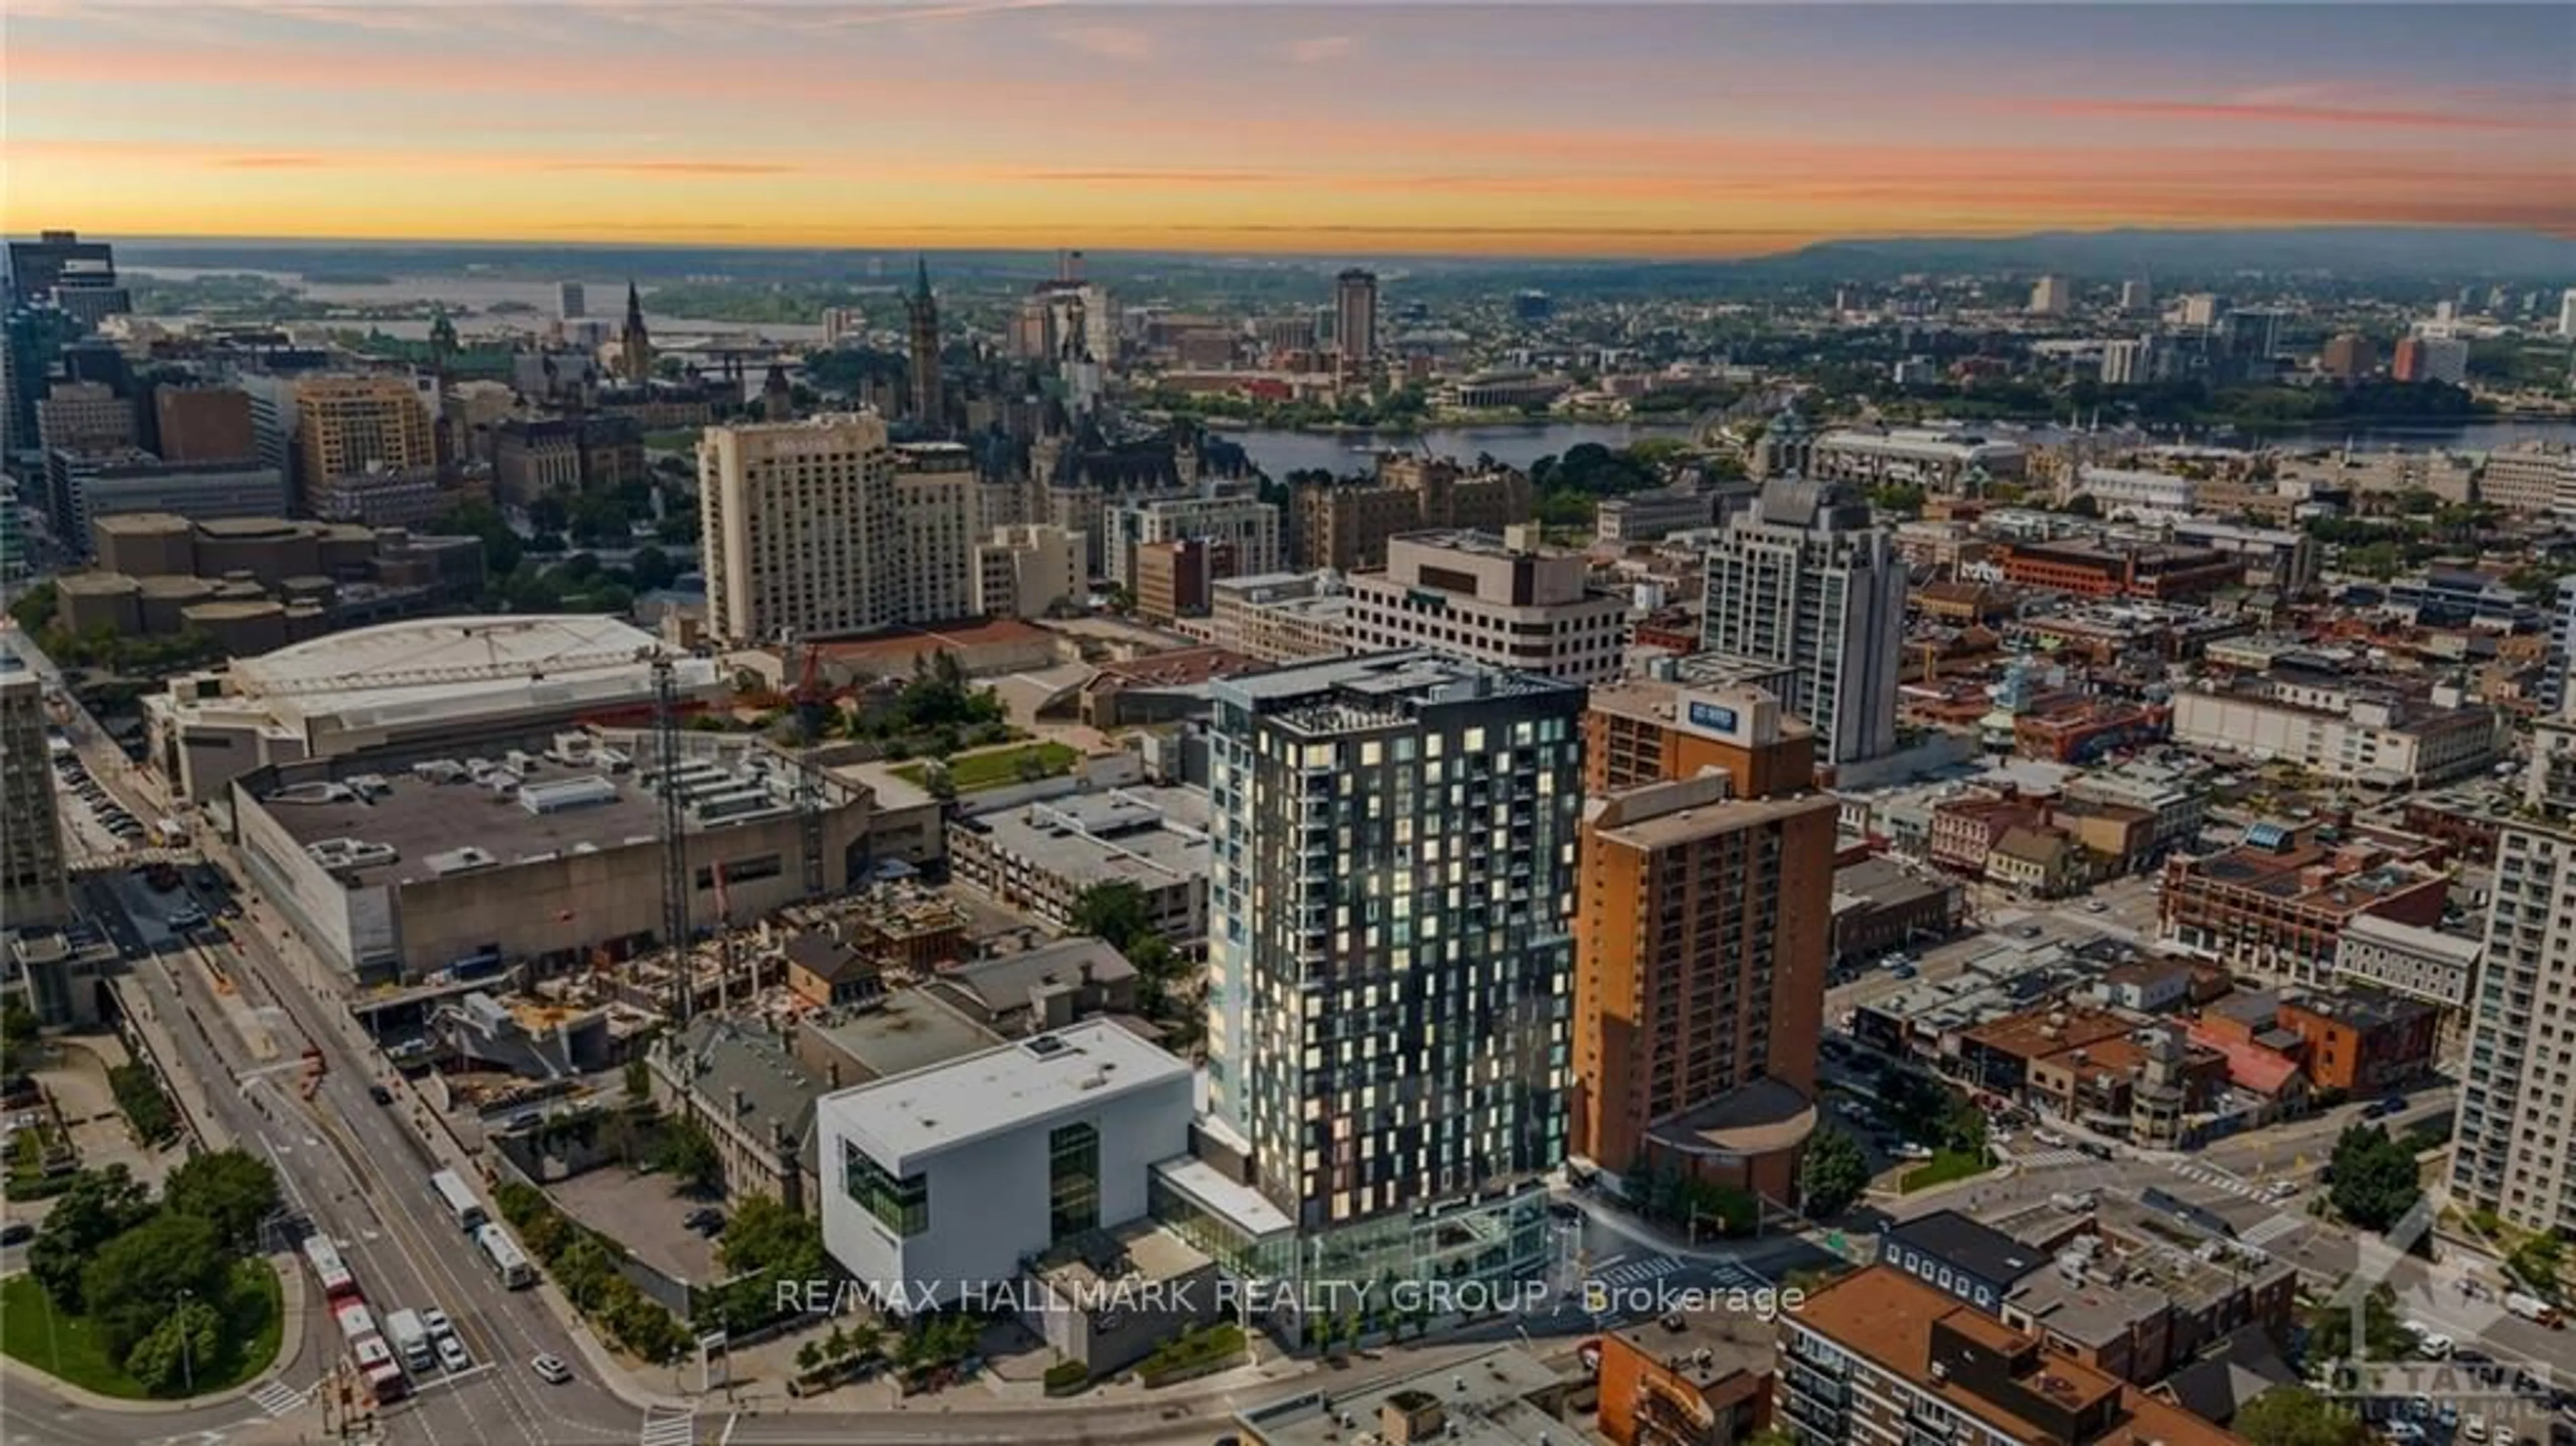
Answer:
(732, 1420)
(1653, 1267)
(2051, 1159)
(278, 1398)
(2271, 1228)
(669, 1426)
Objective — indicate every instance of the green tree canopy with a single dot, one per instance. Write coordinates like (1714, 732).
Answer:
(182, 1347)
(2374, 1178)
(138, 1278)
(96, 1207)
(1833, 1174)
(687, 1153)
(1114, 911)
(232, 1190)
(2297, 1416)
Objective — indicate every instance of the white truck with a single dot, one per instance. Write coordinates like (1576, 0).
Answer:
(410, 1341)
(2532, 1308)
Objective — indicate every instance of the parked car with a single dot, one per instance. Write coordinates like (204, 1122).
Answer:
(551, 1369)
(17, 1232)
(380, 1094)
(706, 1220)
(1904, 971)
(2050, 1138)
(435, 1321)
(1911, 1151)
(451, 1354)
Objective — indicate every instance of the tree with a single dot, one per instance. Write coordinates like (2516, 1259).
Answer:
(2375, 1181)
(1114, 911)
(2330, 1329)
(231, 1190)
(2535, 1262)
(178, 1351)
(2297, 1416)
(809, 1356)
(652, 568)
(36, 607)
(18, 1025)
(97, 1207)
(687, 1152)
(2082, 505)
(138, 1278)
(1834, 1173)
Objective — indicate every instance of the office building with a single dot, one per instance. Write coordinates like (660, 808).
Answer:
(1355, 303)
(2534, 479)
(945, 1181)
(1495, 600)
(1935, 459)
(1280, 617)
(823, 527)
(2121, 492)
(93, 485)
(2200, 309)
(35, 878)
(1172, 578)
(2567, 312)
(1027, 569)
(569, 302)
(202, 424)
(55, 259)
(2052, 296)
(2431, 359)
(2126, 363)
(2348, 357)
(1699, 971)
(1345, 526)
(1247, 527)
(365, 450)
(82, 417)
(2136, 295)
(1879, 1355)
(2514, 1149)
(1390, 951)
(1807, 582)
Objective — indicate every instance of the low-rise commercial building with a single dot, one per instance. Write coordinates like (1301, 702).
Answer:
(2361, 733)
(1281, 617)
(1041, 857)
(1879, 1353)
(944, 1181)
(2106, 569)
(2276, 906)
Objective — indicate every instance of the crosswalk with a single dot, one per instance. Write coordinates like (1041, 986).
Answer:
(670, 1426)
(2272, 1227)
(1727, 1275)
(277, 1398)
(1637, 1272)
(2052, 1159)
(2218, 1179)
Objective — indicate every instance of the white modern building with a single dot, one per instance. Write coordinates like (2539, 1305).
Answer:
(1496, 600)
(2123, 492)
(2408, 959)
(948, 1180)
(1806, 581)
(2514, 1150)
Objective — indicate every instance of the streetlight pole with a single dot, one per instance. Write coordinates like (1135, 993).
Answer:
(187, 1357)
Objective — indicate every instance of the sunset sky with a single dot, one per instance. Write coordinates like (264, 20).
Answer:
(1698, 129)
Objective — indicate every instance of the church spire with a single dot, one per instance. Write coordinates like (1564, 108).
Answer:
(634, 345)
(921, 277)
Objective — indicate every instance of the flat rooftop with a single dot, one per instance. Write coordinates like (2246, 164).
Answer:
(948, 1105)
(1484, 1397)
(909, 1030)
(1149, 836)
(1382, 681)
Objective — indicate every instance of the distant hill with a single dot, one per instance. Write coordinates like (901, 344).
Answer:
(2411, 251)
(2429, 254)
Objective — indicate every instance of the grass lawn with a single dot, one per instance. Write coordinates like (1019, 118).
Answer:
(995, 767)
(255, 1313)
(1943, 1168)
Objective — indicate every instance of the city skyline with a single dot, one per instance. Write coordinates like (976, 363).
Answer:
(1649, 130)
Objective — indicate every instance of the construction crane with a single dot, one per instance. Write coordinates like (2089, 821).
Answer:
(811, 699)
(675, 833)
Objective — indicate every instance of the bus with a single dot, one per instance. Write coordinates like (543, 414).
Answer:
(452, 1193)
(375, 1364)
(507, 1260)
(337, 1283)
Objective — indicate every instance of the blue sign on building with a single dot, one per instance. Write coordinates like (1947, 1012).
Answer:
(1712, 715)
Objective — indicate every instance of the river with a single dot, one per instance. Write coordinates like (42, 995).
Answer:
(1280, 452)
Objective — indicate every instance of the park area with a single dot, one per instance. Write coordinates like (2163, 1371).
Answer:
(73, 1349)
(995, 767)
